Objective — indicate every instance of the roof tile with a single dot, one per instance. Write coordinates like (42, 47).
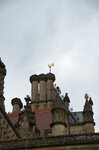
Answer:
(43, 119)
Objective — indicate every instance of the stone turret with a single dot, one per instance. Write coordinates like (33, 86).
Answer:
(34, 90)
(2, 76)
(50, 89)
(88, 115)
(17, 105)
(58, 124)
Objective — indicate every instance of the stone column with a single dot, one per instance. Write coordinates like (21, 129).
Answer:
(2, 76)
(17, 105)
(50, 88)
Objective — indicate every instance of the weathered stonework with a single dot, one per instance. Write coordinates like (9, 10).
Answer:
(2, 76)
(45, 122)
(7, 130)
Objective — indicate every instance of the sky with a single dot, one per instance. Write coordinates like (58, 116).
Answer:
(34, 33)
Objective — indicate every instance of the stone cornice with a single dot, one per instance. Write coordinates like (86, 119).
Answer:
(50, 141)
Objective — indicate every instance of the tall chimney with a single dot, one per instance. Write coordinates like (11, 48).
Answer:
(50, 88)
(17, 105)
(42, 79)
(34, 90)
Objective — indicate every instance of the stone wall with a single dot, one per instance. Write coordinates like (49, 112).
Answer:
(76, 129)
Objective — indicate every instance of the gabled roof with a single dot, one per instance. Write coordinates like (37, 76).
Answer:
(29, 114)
(13, 117)
(5, 117)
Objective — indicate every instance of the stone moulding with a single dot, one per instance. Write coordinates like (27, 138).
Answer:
(50, 141)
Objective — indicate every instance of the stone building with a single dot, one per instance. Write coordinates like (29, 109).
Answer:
(45, 122)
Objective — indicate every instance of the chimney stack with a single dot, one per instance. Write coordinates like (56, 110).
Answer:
(50, 88)
(17, 105)
(34, 90)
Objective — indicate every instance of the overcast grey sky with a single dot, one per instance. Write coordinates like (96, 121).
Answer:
(34, 33)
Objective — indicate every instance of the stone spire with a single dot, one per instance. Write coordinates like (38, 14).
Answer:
(88, 115)
(2, 76)
(88, 104)
(66, 102)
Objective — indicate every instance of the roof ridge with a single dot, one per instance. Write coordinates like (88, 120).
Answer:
(42, 110)
(13, 114)
(36, 111)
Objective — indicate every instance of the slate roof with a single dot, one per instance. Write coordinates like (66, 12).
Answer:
(75, 117)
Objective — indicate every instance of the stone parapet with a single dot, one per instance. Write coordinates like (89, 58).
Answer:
(88, 141)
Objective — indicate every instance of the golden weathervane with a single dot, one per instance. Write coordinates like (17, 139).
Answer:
(50, 65)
